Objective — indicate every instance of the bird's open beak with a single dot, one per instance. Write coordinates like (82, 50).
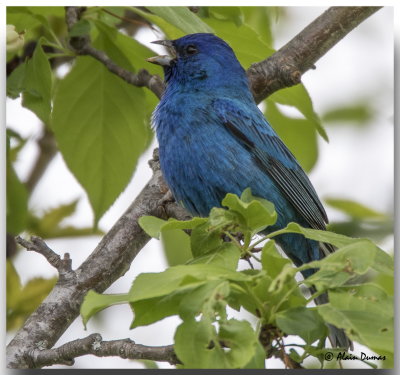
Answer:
(164, 60)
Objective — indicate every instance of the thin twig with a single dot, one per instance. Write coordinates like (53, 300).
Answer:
(82, 46)
(47, 151)
(39, 246)
(62, 265)
(94, 344)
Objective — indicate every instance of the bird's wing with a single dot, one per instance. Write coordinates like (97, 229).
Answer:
(253, 132)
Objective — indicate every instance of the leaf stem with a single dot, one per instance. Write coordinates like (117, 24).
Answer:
(234, 240)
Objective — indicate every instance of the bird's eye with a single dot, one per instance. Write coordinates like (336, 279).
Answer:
(191, 49)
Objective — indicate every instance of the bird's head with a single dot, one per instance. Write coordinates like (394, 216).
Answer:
(200, 60)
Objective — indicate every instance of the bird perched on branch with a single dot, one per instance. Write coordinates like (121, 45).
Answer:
(214, 140)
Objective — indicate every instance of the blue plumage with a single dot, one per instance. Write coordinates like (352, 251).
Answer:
(214, 140)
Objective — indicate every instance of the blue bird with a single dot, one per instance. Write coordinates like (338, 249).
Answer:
(214, 140)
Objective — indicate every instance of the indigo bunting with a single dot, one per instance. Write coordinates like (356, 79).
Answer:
(214, 140)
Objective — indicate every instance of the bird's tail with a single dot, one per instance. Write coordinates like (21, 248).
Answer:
(337, 336)
(290, 243)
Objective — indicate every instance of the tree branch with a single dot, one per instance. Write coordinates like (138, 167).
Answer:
(95, 345)
(63, 266)
(108, 262)
(114, 254)
(47, 151)
(82, 46)
(286, 66)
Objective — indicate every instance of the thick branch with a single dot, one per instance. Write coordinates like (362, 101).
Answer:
(94, 345)
(285, 67)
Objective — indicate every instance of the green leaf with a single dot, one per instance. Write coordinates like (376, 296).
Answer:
(26, 300)
(43, 16)
(89, 131)
(13, 285)
(347, 262)
(126, 51)
(23, 20)
(376, 230)
(383, 263)
(18, 144)
(184, 224)
(53, 11)
(271, 260)
(15, 81)
(355, 209)
(373, 257)
(151, 310)
(258, 360)
(204, 299)
(251, 295)
(261, 19)
(358, 113)
(34, 292)
(303, 322)
(63, 231)
(182, 18)
(187, 301)
(366, 314)
(95, 302)
(354, 258)
(151, 225)
(226, 255)
(233, 14)
(299, 135)
(295, 356)
(257, 213)
(150, 285)
(148, 364)
(245, 42)
(129, 53)
(176, 244)
(367, 296)
(386, 282)
(192, 344)
(287, 296)
(319, 235)
(240, 337)
(36, 21)
(169, 30)
(297, 96)
(221, 220)
(82, 27)
(37, 85)
(204, 240)
(111, 15)
(49, 223)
